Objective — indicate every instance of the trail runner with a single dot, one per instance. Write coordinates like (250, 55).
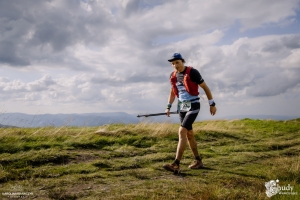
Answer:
(184, 81)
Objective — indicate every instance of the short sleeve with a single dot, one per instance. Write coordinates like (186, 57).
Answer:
(196, 76)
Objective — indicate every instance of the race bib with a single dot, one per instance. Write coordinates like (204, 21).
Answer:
(184, 106)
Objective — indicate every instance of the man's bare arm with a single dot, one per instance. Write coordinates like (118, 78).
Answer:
(171, 97)
(206, 90)
(170, 101)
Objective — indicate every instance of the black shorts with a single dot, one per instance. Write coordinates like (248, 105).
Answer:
(187, 118)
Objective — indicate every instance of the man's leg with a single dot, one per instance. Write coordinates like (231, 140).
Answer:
(192, 143)
(182, 134)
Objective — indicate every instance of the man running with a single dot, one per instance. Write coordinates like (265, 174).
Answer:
(184, 81)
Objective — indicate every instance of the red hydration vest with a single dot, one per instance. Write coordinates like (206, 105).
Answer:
(191, 87)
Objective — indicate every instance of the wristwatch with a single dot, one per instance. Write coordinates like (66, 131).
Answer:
(213, 104)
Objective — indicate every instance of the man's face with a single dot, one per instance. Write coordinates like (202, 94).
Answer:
(178, 65)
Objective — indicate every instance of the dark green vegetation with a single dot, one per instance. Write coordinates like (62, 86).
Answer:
(125, 161)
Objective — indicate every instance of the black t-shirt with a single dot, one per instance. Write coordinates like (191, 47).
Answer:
(194, 74)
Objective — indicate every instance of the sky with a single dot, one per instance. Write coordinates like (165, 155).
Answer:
(90, 56)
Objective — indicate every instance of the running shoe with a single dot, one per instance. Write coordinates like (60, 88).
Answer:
(172, 168)
(197, 164)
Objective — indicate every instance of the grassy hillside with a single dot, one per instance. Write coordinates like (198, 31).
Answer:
(125, 161)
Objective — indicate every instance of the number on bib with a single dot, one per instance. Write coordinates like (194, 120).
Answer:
(184, 106)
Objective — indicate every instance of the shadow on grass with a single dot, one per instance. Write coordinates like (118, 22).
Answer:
(191, 172)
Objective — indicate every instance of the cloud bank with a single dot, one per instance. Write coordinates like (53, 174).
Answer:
(112, 55)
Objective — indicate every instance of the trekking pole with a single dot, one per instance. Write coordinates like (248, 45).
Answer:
(156, 114)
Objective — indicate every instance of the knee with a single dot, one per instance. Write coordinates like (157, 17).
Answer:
(190, 135)
(182, 133)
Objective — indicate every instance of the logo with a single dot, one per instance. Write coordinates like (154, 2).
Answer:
(16, 192)
(274, 188)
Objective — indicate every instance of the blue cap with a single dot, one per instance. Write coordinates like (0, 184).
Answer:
(176, 56)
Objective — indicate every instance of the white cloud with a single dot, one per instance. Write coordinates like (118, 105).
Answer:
(32, 96)
(13, 86)
(293, 60)
(248, 68)
(42, 84)
(260, 13)
(59, 26)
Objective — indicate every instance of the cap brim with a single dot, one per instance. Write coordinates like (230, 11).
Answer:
(171, 60)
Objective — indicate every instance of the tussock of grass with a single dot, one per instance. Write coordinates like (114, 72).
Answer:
(120, 161)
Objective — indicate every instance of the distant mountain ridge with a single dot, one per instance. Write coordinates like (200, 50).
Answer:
(5, 126)
(273, 117)
(88, 119)
(98, 119)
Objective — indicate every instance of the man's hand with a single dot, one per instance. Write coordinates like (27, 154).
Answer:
(167, 111)
(213, 110)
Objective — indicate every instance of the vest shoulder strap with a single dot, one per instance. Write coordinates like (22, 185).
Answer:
(174, 74)
(188, 70)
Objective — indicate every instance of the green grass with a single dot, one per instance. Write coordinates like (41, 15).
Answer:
(121, 161)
